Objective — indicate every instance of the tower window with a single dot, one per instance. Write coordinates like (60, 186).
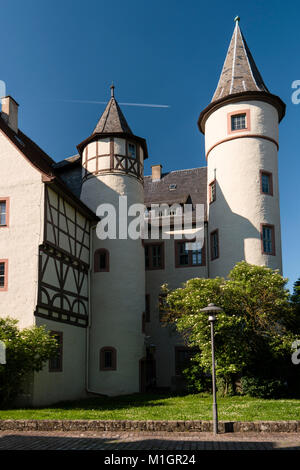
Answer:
(214, 244)
(4, 205)
(154, 256)
(238, 121)
(266, 183)
(56, 362)
(108, 358)
(101, 260)
(212, 191)
(268, 239)
(3, 274)
(131, 150)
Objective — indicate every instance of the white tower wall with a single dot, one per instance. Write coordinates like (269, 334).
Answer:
(235, 159)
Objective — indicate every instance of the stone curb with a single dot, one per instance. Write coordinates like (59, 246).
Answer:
(153, 426)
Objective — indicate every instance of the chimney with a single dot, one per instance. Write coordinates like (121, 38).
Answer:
(156, 172)
(10, 112)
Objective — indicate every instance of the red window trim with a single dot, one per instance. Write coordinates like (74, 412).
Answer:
(60, 368)
(190, 265)
(5, 287)
(213, 182)
(273, 239)
(102, 358)
(150, 245)
(212, 257)
(263, 172)
(6, 200)
(237, 113)
(97, 268)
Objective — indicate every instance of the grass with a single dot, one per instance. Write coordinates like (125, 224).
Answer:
(163, 406)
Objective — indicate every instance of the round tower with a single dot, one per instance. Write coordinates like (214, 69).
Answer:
(113, 161)
(241, 144)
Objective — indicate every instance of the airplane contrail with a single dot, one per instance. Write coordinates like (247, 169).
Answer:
(123, 104)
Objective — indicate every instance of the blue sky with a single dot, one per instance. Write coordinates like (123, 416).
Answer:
(162, 52)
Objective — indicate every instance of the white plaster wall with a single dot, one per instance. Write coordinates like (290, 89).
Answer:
(53, 387)
(22, 183)
(117, 296)
(240, 208)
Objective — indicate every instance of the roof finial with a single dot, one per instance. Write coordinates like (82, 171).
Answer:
(237, 19)
(112, 90)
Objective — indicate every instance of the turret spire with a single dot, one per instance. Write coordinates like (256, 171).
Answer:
(239, 73)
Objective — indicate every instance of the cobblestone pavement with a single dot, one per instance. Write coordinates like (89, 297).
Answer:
(146, 441)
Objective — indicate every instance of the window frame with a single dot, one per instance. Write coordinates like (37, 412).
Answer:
(238, 112)
(190, 255)
(136, 151)
(60, 356)
(4, 288)
(6, 200)
(212, 257)
(112, 350)
(97, 255)
(178, 350)
(213, 183)
(272, 228)
(149, 246)
(270, 175)
(147, 308)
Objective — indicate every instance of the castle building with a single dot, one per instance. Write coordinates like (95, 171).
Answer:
(100, 297)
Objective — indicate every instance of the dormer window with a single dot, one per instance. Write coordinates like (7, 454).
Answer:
(131, 150)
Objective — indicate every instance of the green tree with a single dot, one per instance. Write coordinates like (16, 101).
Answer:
(27, 351)
(251, 334)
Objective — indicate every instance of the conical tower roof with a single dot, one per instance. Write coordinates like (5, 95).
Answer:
(239, 73)
(112, 119)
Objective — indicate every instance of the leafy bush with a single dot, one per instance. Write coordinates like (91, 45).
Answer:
(27, 351)
(259, 387)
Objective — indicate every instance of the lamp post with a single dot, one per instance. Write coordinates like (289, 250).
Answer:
(212, 310)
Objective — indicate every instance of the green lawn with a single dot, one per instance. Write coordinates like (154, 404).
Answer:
(163, 407)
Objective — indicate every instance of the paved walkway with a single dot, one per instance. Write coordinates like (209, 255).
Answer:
(146, 441)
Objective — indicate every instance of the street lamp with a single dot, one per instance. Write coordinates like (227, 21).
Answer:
(212, 310)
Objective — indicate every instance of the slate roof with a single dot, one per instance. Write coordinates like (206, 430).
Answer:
(189, 184)
(112, 119)
(239, 73)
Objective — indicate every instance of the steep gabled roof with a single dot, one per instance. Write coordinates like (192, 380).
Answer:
(239, 73)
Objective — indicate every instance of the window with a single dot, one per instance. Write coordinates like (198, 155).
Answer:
(108, 358)
(182, 358)
(214, 244)
(268, 239)
(3, 274)
(4, 211)
(266, 183)
(131, 150)
(188, 258)
(212, 191)
(101, 260)
(238, 121)
(154, 256)
(55, 363)
(147, 308)
(162, 306)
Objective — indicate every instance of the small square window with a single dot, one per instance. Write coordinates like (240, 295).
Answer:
(131, 150)
(238, 122)
(108, 358)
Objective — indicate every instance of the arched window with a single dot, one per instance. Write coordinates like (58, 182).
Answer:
(101, 260)
(108, 358)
